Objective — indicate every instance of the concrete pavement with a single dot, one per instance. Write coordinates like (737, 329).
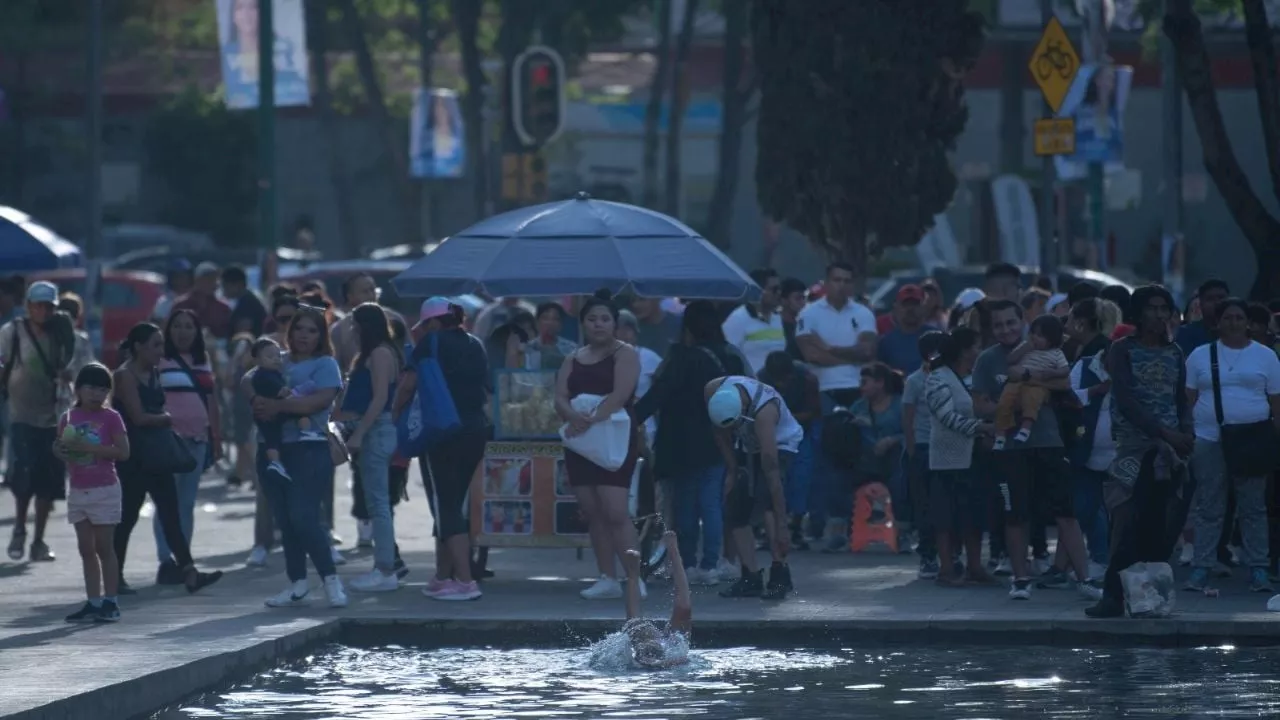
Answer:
(170, 645)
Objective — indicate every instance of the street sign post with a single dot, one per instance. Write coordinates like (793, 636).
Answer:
(1055, 136)
(1054, 63)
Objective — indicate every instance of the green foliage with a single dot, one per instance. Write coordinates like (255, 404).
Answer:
(204, 155)
(860, 104)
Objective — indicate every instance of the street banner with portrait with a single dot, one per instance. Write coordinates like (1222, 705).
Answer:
(437, 138)
(1096, 101)
(238, 39)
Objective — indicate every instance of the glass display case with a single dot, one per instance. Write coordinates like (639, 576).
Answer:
(524, 405)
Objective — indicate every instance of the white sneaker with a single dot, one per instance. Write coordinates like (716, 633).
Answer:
(1003, 567)
(1090, 590)
(1020, 590)
(1188, 554)
(727, 571)
(698, 576)
(606, 588)
(1040, 566)
(337, 557)
(257, 557)
(333, 590)
(1096, 571)
(375, 581)
(295, 594)
(364, 534)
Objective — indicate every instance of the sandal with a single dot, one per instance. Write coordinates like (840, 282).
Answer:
(197, 581)
(17, 544)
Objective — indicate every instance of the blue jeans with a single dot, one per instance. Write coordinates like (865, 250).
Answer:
(699, 495)
(1091, 513)
(188, 485)
(296, 505)
(800, 478)
(374, 458)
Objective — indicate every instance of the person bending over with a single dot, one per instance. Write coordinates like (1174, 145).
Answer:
(648, 640)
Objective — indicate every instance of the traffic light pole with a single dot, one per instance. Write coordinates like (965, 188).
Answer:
(266, 134)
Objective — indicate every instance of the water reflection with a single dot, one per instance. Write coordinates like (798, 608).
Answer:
(963, 682)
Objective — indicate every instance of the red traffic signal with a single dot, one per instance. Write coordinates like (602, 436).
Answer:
(537, 95)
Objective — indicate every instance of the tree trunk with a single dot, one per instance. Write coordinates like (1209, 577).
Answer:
(734, 109)
(653, 110)
(396, 152)
(427, 189)
(1184, 30)
(318, 30)
(1262, 55)
(679, 101)
(466, 17)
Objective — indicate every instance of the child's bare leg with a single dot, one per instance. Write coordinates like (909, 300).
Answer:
(104, 543)
(89, 559)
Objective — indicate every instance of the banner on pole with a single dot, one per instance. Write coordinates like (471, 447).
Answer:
(238, 40)
(437, 136)
(1096, 101)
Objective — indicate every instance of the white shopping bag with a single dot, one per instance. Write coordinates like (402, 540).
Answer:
(1148, 589)
(604, 443)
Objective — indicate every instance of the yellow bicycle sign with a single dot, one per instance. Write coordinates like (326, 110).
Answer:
(1054, 63)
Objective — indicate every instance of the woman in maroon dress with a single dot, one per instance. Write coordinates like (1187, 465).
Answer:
(610, 368)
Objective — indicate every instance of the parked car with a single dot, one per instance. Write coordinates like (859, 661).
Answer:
(127, 299)
(953, 280)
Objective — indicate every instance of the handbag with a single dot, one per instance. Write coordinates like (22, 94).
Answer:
(204, 398)
(338, 452)
(1247, 448)
(159, 451)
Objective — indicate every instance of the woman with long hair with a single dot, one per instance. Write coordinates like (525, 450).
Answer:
(141, 400)
(449, 466)
(298, 503)
(191, 396)
(371, 390)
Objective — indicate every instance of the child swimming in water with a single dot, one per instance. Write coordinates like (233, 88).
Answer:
(649, 642)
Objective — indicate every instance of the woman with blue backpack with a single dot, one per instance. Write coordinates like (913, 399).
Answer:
(440, 411)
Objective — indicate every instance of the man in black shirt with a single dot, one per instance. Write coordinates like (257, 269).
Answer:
(791, 293)
(247, 312)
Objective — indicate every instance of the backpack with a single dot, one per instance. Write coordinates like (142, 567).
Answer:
(842, 439)
(431, 416)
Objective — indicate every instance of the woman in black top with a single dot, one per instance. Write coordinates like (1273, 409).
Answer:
(447, 468)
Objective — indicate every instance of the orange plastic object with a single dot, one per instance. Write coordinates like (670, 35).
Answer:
(872, 518)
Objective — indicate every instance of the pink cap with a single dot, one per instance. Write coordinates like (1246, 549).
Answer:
(433, 307)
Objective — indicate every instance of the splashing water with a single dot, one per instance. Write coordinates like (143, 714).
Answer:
(612, 653)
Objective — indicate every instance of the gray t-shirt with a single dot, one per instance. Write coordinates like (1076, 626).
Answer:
(659, 336)
(913, 394)
(989, 375)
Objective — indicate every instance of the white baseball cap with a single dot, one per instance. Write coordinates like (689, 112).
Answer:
(725, 406)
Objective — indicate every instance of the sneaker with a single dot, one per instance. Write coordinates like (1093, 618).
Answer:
(1258, 580)
(16, 545)
(1054, 579)
(108, 613)
(401, 570)
(41, 552)
(1197, 581)
(337, 556)
(999, 443)
(364, 533)
(705, 578)
(747, 585)
(257, 557)
(1003, 567)
(204, 580)
(1020, 590)
(334, 592)
(169, 574)
(334, 538)
(727, 571)
(435, 585)
(1090, 589)
(278, 469)
(1022, 435)
(455, 591)
(606, 588)
(376, 581)
(779, 583)
(86, 614)
(1041, 564)
(928, 569)
(1188, 554)
(295, 594)
(311, 435)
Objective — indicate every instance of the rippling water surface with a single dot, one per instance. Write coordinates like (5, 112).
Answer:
(929, 682)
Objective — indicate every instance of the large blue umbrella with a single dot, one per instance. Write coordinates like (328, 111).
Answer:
(575, 247)
(26, 245)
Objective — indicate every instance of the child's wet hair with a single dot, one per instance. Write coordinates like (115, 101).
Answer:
(263, 342)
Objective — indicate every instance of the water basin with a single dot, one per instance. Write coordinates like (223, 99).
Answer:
(936, 683)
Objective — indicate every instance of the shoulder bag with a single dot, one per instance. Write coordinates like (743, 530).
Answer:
(1249, 449)
(204, 398)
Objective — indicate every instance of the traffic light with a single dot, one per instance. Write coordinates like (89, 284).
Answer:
(537, 95)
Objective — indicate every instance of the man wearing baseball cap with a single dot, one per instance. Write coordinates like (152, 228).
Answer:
(32, 368)
(899, 347)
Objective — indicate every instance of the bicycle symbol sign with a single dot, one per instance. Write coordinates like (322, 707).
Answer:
(1054, 63)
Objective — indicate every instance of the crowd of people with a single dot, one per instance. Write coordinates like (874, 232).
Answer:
(1127, 424)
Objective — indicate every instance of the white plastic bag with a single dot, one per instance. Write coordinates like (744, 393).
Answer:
(604, 443)
(1148, 589)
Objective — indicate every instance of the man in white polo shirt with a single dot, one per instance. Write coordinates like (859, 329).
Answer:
(837, 336)
(756, 328)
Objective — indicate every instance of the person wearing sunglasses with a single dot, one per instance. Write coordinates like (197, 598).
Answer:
(751, 418)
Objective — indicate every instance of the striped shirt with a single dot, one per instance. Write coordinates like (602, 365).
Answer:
(182, 397)
(953, 424)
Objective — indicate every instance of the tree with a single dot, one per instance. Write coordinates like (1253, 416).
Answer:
(734, 95)
(679, 102)
(860, 104)
(653, 109)
(1262, 229)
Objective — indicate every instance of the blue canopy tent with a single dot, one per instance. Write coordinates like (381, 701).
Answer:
(26, 245)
